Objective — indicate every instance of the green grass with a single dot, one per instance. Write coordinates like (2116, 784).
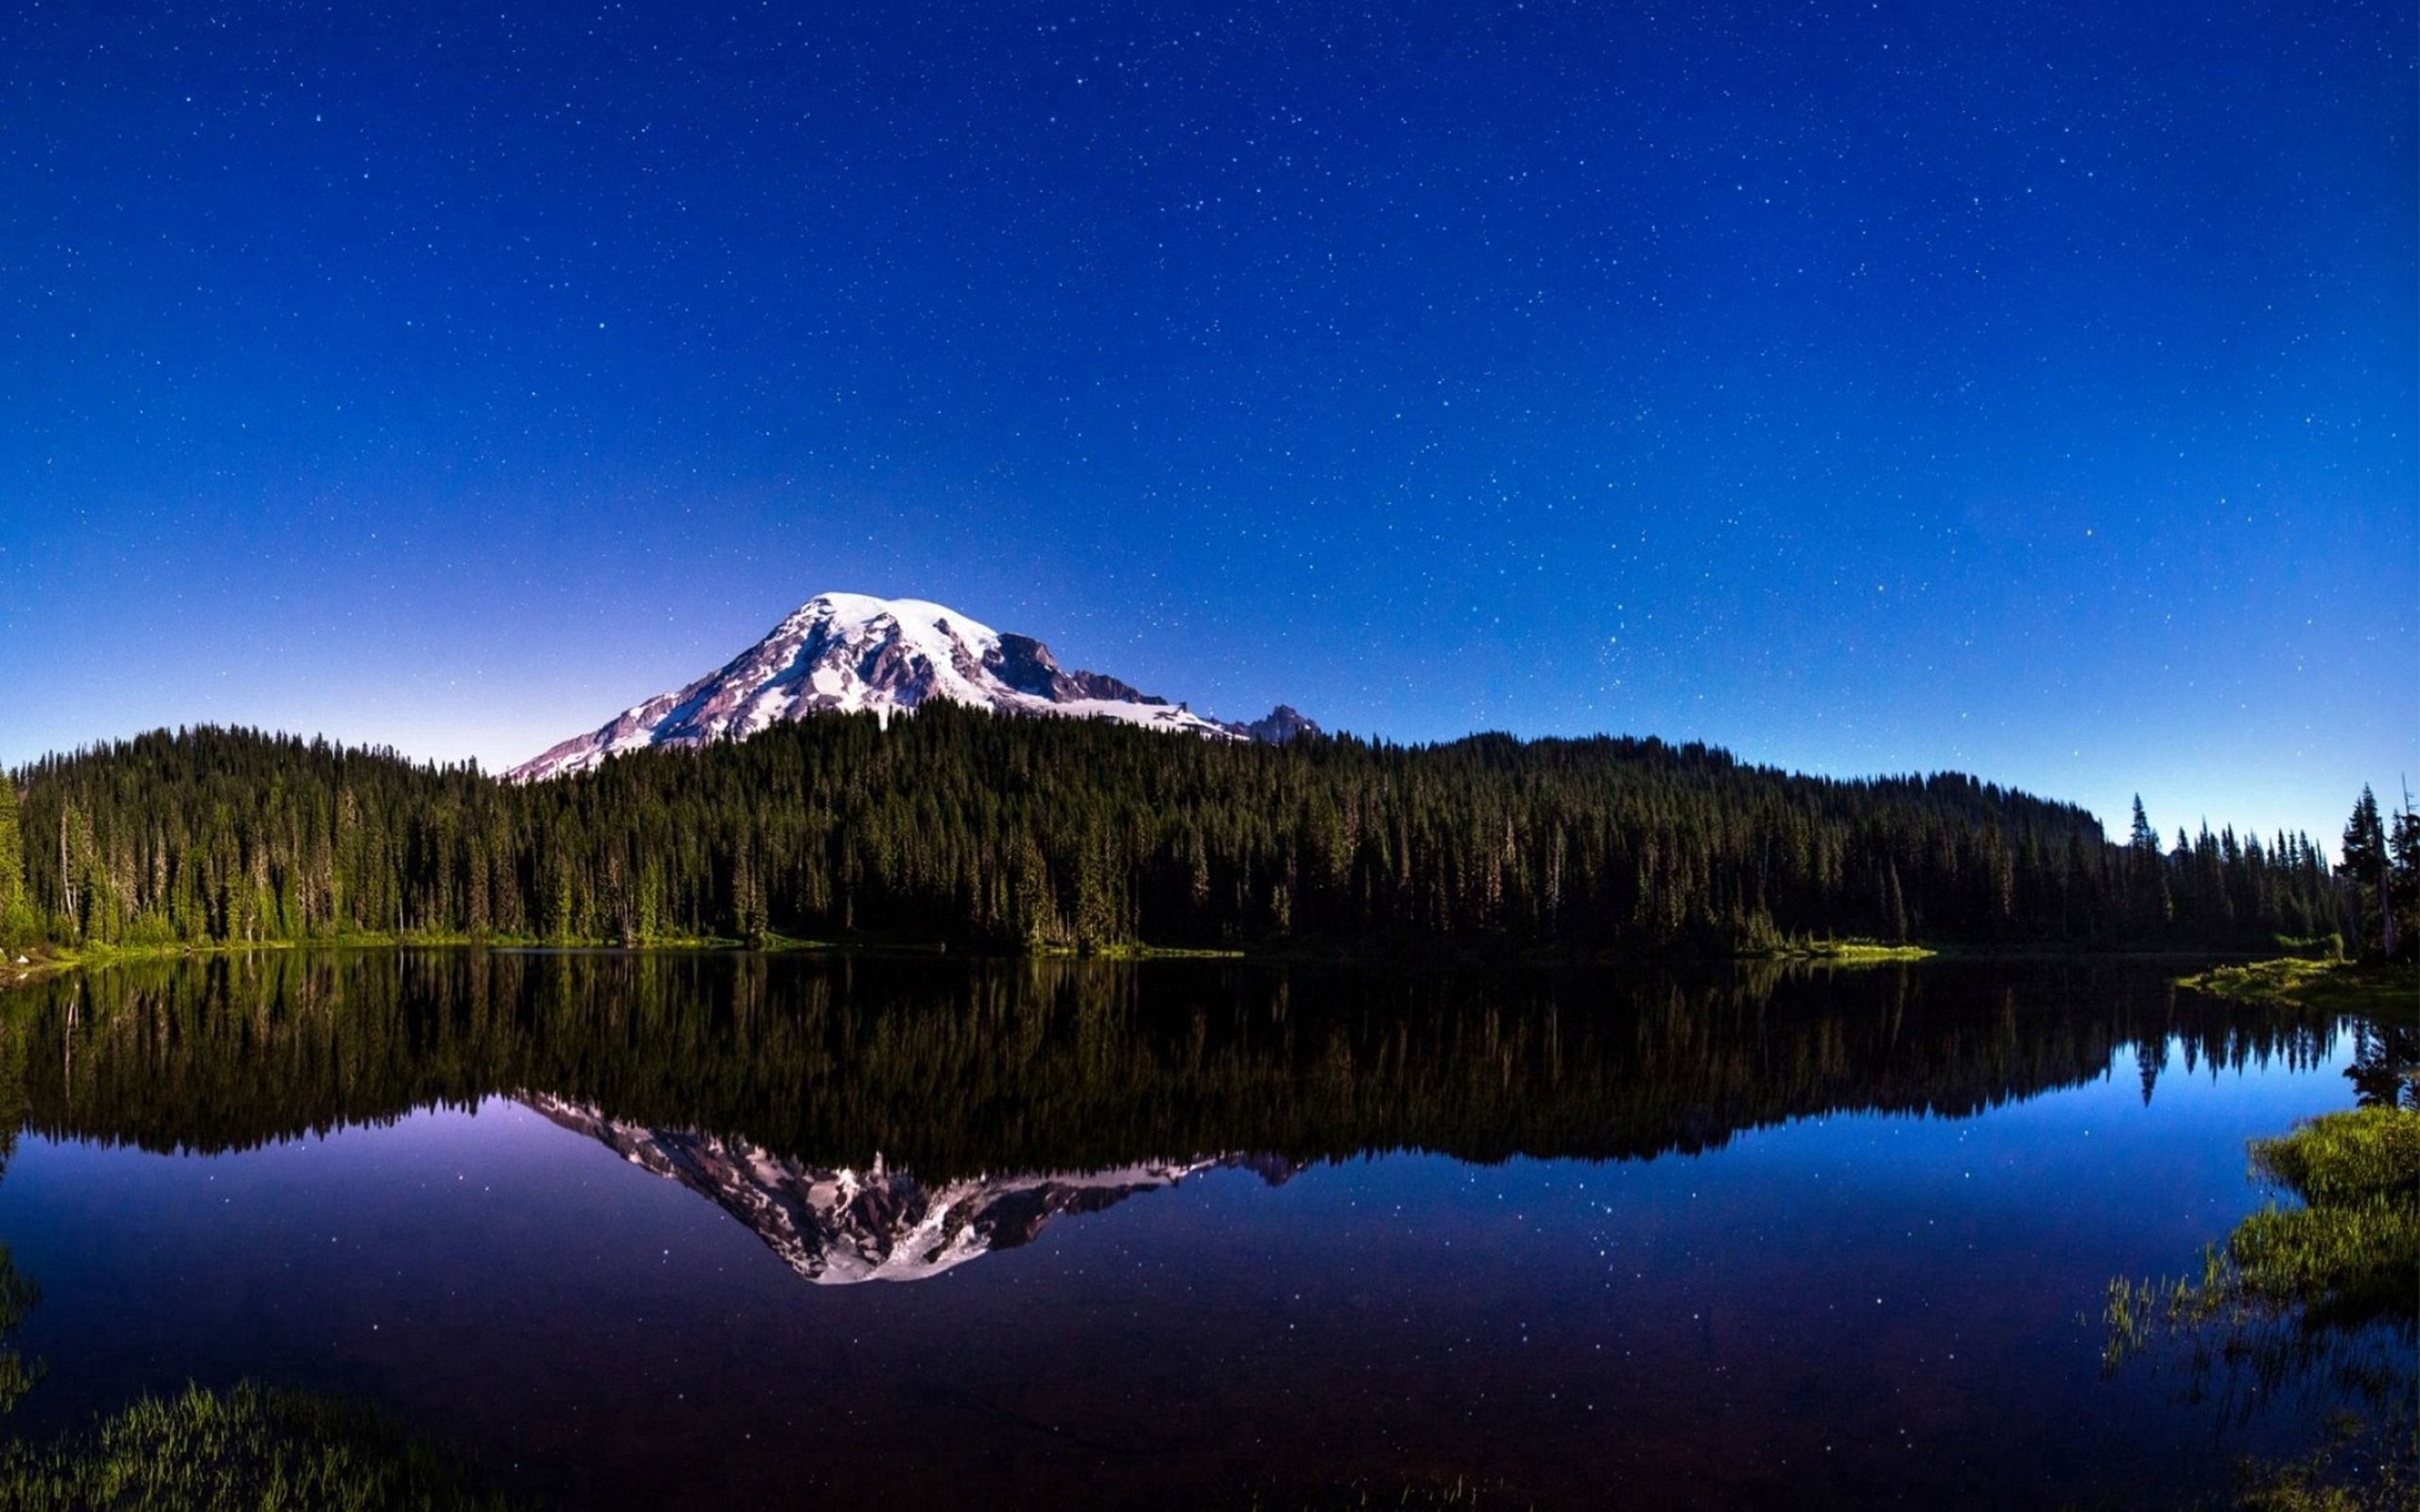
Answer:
(2346, 1256)
(2334, 987)
(251, 1448)
(1846, 951)
(43, 958)
(102, 953)
(2324, 1292)
(2351, 1252)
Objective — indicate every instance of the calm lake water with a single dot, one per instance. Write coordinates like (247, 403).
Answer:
(657, 1232)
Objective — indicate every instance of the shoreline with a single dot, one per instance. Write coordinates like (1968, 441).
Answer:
(39, 963)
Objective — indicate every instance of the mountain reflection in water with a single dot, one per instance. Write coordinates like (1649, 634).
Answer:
(836, 1226)
(1353, 1221)
(953, 1071)
(890, 1119)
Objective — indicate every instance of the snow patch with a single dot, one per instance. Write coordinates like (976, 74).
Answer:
(850, 653)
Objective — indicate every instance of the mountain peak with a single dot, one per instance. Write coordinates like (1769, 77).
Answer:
(1281, 724)
(851, 652)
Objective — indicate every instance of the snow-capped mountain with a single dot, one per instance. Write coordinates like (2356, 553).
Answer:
(837, 1226)
(847, 651)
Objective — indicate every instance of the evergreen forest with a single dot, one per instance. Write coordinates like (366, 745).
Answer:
(960, 828)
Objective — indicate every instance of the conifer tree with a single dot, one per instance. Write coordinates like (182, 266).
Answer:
(16, 910)
(2403, 882)
(2365, 863)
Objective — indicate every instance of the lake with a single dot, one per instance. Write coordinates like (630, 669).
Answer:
(710, 1231)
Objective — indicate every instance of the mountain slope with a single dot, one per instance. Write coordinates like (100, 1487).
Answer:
(848, 652)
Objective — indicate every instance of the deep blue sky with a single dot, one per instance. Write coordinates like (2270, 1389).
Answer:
(2027, 389)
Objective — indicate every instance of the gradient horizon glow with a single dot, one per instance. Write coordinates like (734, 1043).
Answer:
(2024, 390)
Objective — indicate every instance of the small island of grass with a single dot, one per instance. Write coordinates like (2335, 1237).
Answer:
(1844, 951)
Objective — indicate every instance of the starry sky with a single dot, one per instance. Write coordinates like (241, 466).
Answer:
(2022, 389)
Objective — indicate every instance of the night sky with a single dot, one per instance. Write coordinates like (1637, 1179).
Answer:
(2027, 389)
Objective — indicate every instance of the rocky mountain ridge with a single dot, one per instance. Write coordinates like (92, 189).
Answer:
(850, 652)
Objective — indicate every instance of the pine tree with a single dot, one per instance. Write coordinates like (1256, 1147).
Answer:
(2403, 881)
(2366, 861)
(2144, 839)
(16, 908)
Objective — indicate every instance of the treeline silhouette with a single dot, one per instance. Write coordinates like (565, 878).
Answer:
(970, 830)
(951, 1069)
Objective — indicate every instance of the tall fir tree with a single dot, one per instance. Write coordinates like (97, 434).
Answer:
(16, 910)
(2403, 880)
(2366, 864)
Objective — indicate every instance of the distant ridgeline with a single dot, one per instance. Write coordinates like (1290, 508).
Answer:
(1038, 834)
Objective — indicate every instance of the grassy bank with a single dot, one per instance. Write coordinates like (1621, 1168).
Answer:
(250, 1447)
(47, 957)
(2318, 1292)
(2334, 987)
(2338, 987)
(2346, 1255)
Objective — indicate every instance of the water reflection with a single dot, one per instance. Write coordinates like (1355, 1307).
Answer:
(1831, 1310)
(18, 1291)
(891, 1119)
(837, 1226)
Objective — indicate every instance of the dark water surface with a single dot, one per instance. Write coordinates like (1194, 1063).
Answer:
(654, 1232)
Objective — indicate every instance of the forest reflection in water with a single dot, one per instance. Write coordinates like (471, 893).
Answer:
(952, 1069)
(873, 1118)
(890, 1118)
